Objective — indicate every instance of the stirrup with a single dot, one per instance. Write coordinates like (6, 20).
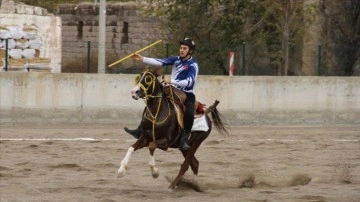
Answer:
(134, 133)
(184, 145)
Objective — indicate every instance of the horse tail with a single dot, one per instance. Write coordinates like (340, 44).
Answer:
(217, 118)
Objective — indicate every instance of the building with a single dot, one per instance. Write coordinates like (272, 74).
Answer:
(127, 30)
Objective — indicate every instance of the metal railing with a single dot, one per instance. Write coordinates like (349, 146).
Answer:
(249, 59)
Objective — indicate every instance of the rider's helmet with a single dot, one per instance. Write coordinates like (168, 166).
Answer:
(188, 42)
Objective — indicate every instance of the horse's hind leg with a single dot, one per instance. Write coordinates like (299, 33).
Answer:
(189, 155)
(153, 168)
(124, 162)
(194, 164)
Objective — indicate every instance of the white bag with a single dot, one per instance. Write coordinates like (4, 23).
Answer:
(16, 32)
(4, 33)
(28, 53)
(22, 43)
(11, 44)
(35, 43)
(15, 53)
(30, 32)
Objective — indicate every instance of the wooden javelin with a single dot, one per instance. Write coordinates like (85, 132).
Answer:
(138, 51)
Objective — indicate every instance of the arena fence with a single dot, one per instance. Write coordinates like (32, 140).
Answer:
(88, 98)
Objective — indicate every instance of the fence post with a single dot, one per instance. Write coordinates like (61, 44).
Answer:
(318, 64)
(6, 54)
(231, 63)
(102, 37)
(243, 58)
(167, 55)
(88, 56)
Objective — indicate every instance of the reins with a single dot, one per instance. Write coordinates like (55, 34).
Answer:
(148, 96)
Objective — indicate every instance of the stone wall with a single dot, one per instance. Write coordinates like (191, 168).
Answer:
(9, 6)
(127, 30)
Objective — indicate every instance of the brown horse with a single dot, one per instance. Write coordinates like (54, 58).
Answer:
(160, 126)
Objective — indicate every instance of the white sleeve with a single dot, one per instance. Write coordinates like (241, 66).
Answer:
(152, 61)
(182, 83)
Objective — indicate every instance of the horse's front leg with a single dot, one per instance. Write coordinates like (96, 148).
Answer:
(140, 143)
(124, 162)
(153, 168)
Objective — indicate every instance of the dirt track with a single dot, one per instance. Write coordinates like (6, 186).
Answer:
(257, 163)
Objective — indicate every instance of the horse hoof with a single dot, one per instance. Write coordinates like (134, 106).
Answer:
(155, 173)
(121, 173)
(171, 189)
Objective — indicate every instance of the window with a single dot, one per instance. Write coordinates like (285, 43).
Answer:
(125, 33)
(80, 30)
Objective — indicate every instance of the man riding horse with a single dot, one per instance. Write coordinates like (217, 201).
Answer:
(183, 77)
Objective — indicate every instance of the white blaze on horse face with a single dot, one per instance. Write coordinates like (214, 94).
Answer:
(134, 94)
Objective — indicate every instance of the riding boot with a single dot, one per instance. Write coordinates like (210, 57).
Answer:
(135, 133)
(184, 144)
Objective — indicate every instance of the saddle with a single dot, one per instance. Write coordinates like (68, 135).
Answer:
(177, 98)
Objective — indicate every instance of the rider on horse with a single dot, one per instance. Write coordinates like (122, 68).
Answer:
(183, 77)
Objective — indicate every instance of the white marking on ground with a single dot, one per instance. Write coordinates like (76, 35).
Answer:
(56, 139)
(345, 140)
(290, 140)
(131, 140)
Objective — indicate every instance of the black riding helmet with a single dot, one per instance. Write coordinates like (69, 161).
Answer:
(188, 42)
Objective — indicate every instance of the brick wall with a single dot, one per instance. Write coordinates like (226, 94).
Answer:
(127, 30)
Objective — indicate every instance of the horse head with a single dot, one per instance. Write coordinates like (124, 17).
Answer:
(147, 84)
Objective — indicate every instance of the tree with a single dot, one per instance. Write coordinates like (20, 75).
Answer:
(342, 30)
(285, 18)
(217, 25)
(197, 20)
(224, 24)
(272, 27)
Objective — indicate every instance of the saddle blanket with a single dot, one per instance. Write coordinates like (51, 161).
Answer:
(200, 124)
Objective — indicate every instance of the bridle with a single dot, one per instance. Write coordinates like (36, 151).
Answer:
(150, 83)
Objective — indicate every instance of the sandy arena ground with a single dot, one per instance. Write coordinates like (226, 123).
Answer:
(256, 163)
